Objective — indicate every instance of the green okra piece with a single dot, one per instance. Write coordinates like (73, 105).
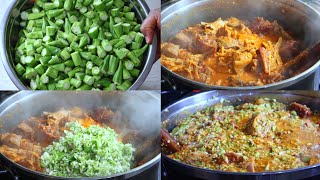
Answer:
(84, 40)
(117, 28)
(135, 45)
(39, 69)
(113, 64)
(125, 85)
(134, 72)
(105, 82)
(54, 60)
(134, 59)
(51, 86)
(76, 58)
(93, 32)
(106, 45)
(92, 49)
(101, 52)
(70, 37)
(137, 27)
(77, 28)
(30, 73)
(38, 15)
(89, 65)
(129, 65)
(111, 23)
(105, 66)
(84, 87)
(44, 79)
(67, 26)
(120, 43)
(126, 74)
(45, 60)
(74, 71)
(87, 2)
(24, 15)
(96, 71)
(88, 80)
(99, 5)
(52, 72)
(119, 3)
(52, 49)
(75, 46)
(68, 5)
(139, 38)
(20, 69)
(35, 35)
(53, 13)
(75, 82)
(86, 55)
(115, 12)
(59, 67)
(126, 27)
(129, 15)
(139, 52)
(69, 63)
(117, 77)
(121, 53)
(96, 60)
(79, 75)
(112, 86)
(63, 84)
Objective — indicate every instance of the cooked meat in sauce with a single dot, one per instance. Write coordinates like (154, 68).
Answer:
(264, 135)
(232, 52)
(25, 143)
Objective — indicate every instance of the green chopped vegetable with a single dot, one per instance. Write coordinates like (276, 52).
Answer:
(60, 38)
(87, 152)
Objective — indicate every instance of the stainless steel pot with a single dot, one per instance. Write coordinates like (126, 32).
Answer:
(132, 104)
(300, 19)
(9, 29)
(183, 108)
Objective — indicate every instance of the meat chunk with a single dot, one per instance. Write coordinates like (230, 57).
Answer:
(11, 140)
(24, 129)
(204, 45)
(170, 50)
(27, 158)
(302, 110)
(260, 126)
(183, 39)
(241, 61)
(233, 158)
(102, 115)
(228, 42)
(261, 26)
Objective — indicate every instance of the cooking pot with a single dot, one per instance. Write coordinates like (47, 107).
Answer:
(131, 104)
(183, 108)
(297, 17)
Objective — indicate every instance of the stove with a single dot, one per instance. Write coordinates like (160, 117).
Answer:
(168, 98)
(151, 174)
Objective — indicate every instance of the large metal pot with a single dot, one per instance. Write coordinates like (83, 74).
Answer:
(181, 109)
(132, 104)
(9, 29)
(300, 19)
